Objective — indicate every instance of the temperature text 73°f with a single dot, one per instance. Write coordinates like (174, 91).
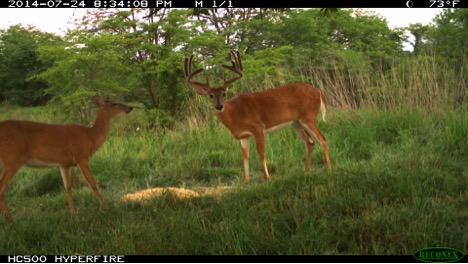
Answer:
(443, 3)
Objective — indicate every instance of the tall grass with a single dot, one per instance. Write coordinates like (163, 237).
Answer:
(422, 82)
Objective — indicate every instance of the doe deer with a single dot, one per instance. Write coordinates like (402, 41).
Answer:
(253, 114)
(41, 145)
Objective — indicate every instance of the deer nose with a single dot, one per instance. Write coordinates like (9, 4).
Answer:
(129, 109)
(219, 107)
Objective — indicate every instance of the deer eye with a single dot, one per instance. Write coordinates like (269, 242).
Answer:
(224, 94)
(211, 96)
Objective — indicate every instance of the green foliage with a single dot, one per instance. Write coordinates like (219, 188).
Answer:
(157, 119)
(420, 33)
(150, 59)
(450, 35)
(266, 69)
(313, 33)
(302, 30)
(19, 63)
(80, 71)
(236, 28)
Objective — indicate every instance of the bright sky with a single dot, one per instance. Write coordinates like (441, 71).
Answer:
(54, 20)
(57, 20)
(401, 17)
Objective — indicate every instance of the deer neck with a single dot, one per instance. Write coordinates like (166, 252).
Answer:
(100, 129)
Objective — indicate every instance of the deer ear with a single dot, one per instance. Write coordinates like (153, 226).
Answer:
(97, 100)
(199, 90)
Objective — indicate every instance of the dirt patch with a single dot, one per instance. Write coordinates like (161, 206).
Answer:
(179, 192)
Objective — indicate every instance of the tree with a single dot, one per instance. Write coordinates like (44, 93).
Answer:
(420, 33)
(238, 28)
(19, 63)
(449, 40)
(451, 34)
(148, 40)
(79, 71)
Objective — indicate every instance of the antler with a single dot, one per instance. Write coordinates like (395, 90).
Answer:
(236, 67)
(189, 74)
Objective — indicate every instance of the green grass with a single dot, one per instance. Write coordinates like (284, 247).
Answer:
(399, 184)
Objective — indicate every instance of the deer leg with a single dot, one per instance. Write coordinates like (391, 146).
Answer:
(308, 140)
(7, 174)
(245, 156)
(84, 167)
(260, 143)
(312, 129)
(65, 172)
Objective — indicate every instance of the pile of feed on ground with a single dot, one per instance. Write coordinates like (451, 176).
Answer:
(178, 192)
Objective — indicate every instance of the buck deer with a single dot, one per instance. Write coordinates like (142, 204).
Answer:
(41, 145)
(254, 114)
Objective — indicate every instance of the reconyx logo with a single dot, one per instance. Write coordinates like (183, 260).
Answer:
(439, 254)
